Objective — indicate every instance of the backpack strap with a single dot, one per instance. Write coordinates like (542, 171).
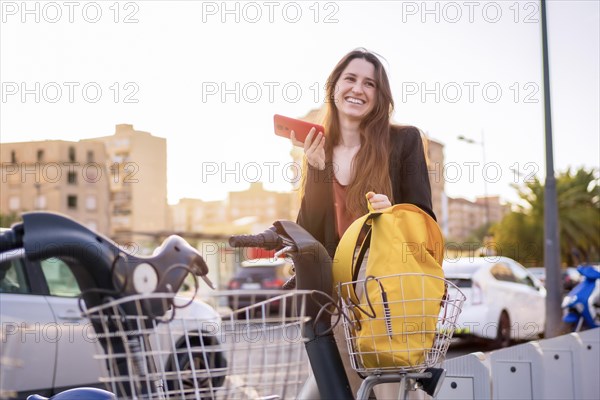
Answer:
(345, 265)
(344, 254)
(357, 262)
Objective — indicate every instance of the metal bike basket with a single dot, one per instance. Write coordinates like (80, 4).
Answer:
(254, 351)
(394, 323)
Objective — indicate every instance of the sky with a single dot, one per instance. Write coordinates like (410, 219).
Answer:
(208, 77)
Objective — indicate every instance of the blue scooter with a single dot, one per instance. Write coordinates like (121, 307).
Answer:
(582, 304)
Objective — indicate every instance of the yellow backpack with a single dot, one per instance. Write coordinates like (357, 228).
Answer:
(394, 318)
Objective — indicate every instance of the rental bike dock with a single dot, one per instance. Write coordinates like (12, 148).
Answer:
(565, 367)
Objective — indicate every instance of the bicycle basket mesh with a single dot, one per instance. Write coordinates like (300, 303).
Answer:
(248, 352)
(396, 323)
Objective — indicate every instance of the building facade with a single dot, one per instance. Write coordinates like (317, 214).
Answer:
(195, 215)
(465, 217)
(262, 205)
(137, 164)
(246, 211)
(435, 159)
(55, 175)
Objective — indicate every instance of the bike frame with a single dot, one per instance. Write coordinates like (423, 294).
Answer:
(314, 272)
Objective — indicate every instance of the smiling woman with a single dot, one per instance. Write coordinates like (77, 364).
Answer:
(362, 159)
(363, 156)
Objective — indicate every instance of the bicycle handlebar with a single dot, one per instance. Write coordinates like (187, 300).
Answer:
(268, 240)
(99, 264)
(12, 238)
(311, 261)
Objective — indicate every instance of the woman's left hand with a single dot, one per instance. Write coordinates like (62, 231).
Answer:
(378, 201)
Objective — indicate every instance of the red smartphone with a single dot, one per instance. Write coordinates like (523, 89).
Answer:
(285, 125)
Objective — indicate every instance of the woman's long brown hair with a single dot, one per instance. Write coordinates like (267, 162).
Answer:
(370, 168)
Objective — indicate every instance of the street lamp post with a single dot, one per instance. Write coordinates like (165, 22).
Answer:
(551, 228)
(485, 194)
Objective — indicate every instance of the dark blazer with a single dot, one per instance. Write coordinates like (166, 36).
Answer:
(410, 184)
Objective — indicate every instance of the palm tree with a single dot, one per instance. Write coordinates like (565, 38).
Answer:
(578, 198)
(579, 214)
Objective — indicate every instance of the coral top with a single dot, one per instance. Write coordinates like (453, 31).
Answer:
(342, 218)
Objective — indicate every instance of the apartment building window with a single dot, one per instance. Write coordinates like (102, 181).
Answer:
(72, 201)
(90, 156)
(72, 178)
(13, 157)
(40, 155)
(14, 203)
(71, 154)
(90, 202)
(40, 202)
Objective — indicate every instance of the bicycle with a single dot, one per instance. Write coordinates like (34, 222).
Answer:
(148, 348)
(129, 298)
(313, 272)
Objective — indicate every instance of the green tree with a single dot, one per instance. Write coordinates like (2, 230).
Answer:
(479, 234)
(6, 220)
(520, 234)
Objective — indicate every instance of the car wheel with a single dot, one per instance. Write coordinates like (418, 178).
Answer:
(210, 365)
(503, 334)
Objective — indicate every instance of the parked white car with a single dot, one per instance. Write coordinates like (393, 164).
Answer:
(53, 344)
(504, 302)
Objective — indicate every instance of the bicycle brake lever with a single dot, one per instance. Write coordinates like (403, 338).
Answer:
(290, 283)
(201, 269)
(286, 249)
(208, 282)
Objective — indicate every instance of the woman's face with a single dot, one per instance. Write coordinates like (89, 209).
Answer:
(356, 90)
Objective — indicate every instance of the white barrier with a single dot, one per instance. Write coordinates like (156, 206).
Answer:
(467, 377)
(517, 372)
(565, 367)
(590, 359)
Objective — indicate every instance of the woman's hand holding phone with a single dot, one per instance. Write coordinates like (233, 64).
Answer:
(313, 149)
